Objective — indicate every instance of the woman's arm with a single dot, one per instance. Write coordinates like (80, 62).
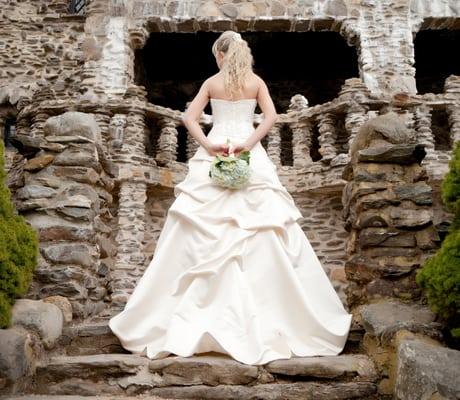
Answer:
(270, 116)
(192, 115)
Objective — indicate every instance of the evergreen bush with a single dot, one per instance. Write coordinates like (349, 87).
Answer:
(18, 250)
(440, 275)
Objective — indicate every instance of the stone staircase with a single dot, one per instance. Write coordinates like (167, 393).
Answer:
(89, 363)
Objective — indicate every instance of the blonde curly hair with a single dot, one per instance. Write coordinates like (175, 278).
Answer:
(238, 60)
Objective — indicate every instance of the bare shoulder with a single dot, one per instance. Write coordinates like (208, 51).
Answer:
(259, 81)
(213, 82)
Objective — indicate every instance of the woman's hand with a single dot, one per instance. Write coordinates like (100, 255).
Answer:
(217, 148)
(238, 148)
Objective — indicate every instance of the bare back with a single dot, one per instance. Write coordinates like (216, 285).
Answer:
(250, 90)
(213, 88)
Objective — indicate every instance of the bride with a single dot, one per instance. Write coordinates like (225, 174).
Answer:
(232, 271)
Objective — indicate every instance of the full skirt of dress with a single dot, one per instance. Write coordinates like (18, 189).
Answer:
(233, 272)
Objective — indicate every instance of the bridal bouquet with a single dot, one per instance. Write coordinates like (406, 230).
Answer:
(230, 171)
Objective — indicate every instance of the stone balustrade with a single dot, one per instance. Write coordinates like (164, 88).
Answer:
(326, 130)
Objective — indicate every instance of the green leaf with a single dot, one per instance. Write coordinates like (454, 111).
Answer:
(245, 155)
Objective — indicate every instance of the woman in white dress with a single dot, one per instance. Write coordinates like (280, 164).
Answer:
(232, 271)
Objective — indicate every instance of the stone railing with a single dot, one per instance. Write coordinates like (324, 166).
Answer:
(302, 137)
(305, 136)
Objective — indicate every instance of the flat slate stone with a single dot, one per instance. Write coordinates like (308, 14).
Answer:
(87, 329)
(71, 397)
(91, 365)
(274, 391)
(347, 365)
(393, 153)
(384, 318)
(206, 369)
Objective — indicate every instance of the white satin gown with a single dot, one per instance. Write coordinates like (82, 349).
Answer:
(232, 271)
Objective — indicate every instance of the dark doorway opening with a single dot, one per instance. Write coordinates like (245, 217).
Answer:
(172, 66)
(436, 57)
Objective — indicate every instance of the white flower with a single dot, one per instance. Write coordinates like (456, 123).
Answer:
(230, 171)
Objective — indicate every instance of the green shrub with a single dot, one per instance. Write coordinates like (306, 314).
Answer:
(18, 250)
(440, 275)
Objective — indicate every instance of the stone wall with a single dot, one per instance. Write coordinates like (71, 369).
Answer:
(324, 228)
(55, 62)
(40, 45)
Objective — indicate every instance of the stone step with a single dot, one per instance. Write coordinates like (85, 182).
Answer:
(72, 397)
(208, 376)
(88, 338)
(95, 337)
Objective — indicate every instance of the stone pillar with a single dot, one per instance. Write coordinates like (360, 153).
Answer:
(129, 264)
(116, 132)
(167, 142)
(327, 137)
(386, 44)
(301, 143)
(274, 144)
(454, 122)
(355, 93)
(134, 135)
(425, 135)
(388, 212)
(192, 146)
(452, 91)
(66, 193)
(302, 131)
(108, 51)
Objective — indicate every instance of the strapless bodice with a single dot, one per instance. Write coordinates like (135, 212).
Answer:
(233, 118)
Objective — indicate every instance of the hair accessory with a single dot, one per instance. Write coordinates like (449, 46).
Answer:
(238, 37)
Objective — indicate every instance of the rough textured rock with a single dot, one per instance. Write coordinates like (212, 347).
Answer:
(426, 371)
(72, 123)
(43, 318)
(384, 318)
(19, 351)
(64, 305)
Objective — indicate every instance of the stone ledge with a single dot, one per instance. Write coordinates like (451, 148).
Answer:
(384, 318)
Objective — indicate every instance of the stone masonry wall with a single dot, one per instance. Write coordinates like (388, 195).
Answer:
(61, 62)
(39, 46)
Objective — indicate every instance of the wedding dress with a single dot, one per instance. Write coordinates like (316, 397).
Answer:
(232, 271)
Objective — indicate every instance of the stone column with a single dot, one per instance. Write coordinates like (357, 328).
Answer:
(327, 136)
(386, 44)
(355, 117)
(134, 135)
(192, 146)
(422, 125)
(167, 142)
(454, 122)
(127, 135)
(274, 144)
(388, 212)
(109, 55)
(129, 264)
(301, 144)
(452, 91)
(355, 93)
(116, 132)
